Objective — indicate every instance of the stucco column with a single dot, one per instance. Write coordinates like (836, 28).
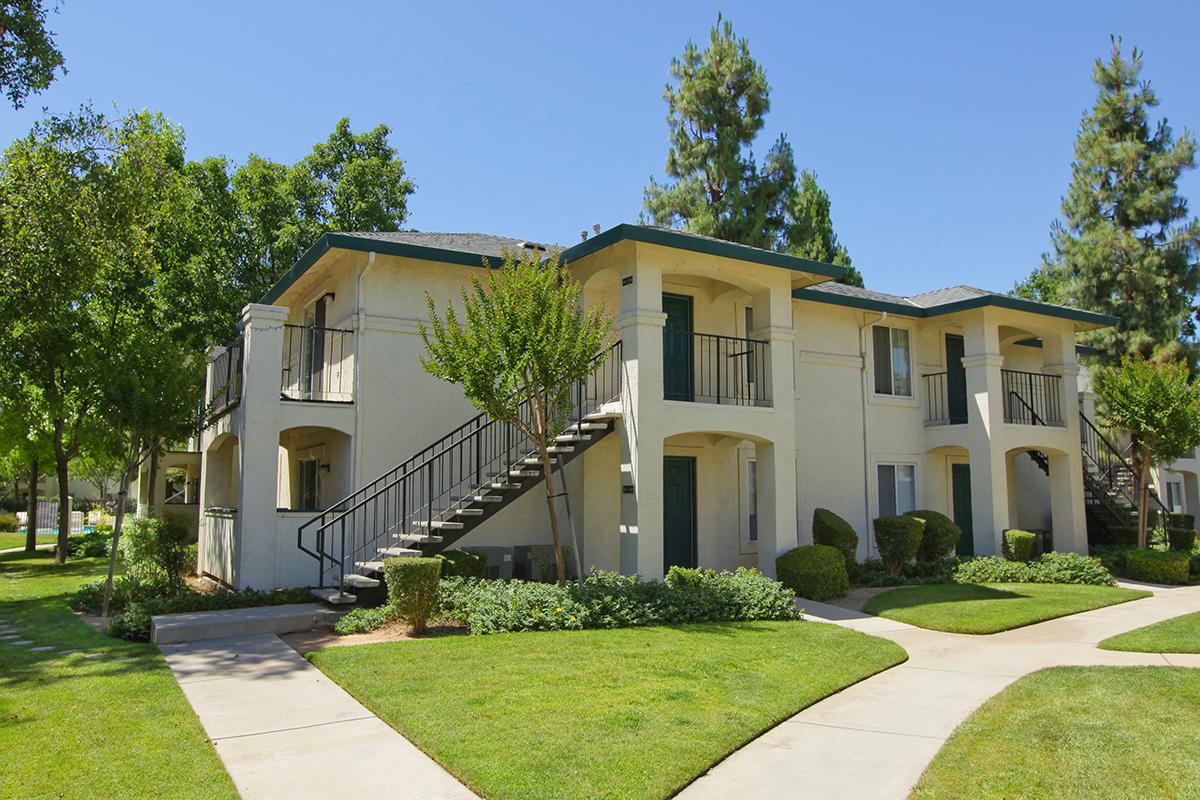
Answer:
(1067, 512)
(258, 435)
(985, 432)
(778, 526)
(640, 323)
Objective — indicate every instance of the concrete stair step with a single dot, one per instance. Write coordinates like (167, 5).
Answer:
(502, 486)
(370, 566)
(524, 473)
(532, 461)
(440, 524)
(353, 581)
(463, 511)
(590, 426)
(568, 438)
(418, 538)
(228, 623)
(481, 498)
(398, 552)
(557, 449)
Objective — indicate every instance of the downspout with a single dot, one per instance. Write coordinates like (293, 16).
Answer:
(862, 352)
(360, 330)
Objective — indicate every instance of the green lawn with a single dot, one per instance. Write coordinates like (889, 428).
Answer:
(1076, 733)
(993, 607)
(1176, 635)
(631, 713)
(9, 539)
(90, 728)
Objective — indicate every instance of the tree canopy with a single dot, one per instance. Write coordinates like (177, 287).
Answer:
(1126, 245)
(29, 58)
(716, 107)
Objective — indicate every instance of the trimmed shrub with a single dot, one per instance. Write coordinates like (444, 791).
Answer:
(155, 547)
(1181, 521)
(1056, 567)
(191, 559)
(610, 600)
(462, 564)
(898, 540)
(1018, 545)
(96, 544)
(8, 522)
(832, 531)
(127, 589)
(1157, 566)
(1182, 539)
(813, 571)
(1049, 568)
(134, 624)
(412, 585)
(939, 537)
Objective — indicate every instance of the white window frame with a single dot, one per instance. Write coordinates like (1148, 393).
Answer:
(896, 467)
(748, 457)
(877, 363)
(1173, 495)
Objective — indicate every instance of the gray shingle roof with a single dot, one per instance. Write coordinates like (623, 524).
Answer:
(484, 244)
(866, 294)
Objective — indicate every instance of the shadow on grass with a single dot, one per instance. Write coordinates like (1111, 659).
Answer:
(917, 596)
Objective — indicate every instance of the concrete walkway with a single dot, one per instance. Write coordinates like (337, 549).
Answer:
(876, 738)
(284, 730)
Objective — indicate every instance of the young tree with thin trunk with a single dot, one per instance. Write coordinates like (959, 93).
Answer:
(523, 343)
(1158, 405)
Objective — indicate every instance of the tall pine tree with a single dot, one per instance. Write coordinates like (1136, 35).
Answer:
(1126, 245)
(716, 107)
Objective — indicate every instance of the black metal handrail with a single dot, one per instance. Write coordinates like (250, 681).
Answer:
(711, 368)
(318, 364)
(1115, 474)
(409, 499)
(225, 389)
(1039, 393)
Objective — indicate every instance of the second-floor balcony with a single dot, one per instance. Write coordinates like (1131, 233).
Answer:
(1029, 398)
(710, 368)
(318, 364)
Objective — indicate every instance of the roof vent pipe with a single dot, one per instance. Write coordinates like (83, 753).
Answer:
(583, 235)
(596, 229)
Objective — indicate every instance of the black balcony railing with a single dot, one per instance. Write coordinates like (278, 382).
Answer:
(1032, 398)
(318, 364)
(945, 398)
(709, 368)
(225, 380)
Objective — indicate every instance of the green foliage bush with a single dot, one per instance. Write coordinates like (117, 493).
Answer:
(154, 547)
(813, 571)
(96, 544)
(412, 586)
(1157, 566)
(832, 531)
(364, 620)
(191, 559)
(1182, 539)
(1018, 545)
(1049, 568)
(1125, 536)
(462, 564)
(874, 573)
(134, 624)
(127, 589)
(8, 522)
(898, 540)
(610, 600)
(939, 536)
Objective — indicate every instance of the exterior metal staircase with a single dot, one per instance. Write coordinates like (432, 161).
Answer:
(1109, 485)
(449, 488)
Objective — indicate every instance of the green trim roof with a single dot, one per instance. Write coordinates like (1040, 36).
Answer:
(470, 250)
(943, 301)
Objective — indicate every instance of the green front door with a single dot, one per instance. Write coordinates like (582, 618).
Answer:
(679, 512)
(677, 347)
(956, 380)
(960, 488)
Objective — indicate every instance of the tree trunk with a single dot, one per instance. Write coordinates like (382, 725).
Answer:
(1143, 489)
(547, 467)
(562, 478)
(122, 494)
(64, 505)
(152, 479)
(31, 508)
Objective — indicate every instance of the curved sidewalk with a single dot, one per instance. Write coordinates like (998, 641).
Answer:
(875, 738)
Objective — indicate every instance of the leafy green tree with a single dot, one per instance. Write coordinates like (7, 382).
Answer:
(810, 232)
(524, 341)
(25, 443)
(29, 58)
(1158, 405)
(716, 106)
(1126, 245)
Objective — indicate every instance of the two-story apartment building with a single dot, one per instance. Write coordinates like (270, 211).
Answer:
(743, 389)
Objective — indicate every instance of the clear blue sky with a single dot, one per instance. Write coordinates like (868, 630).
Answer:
(943, 132)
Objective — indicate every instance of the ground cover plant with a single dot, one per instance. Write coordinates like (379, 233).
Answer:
(1085, 733)
(90, 727)
(1175, 635)
(990, 608)
(627, 713)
